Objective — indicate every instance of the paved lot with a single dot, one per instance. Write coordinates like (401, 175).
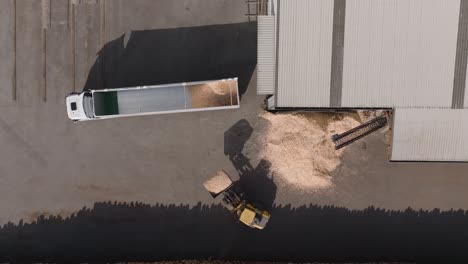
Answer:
(50, 166)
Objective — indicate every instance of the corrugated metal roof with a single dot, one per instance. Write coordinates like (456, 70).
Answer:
(304, 55)
(396, 53)
(426, 134)
(266, 55)
(399, 53)
(459, 80)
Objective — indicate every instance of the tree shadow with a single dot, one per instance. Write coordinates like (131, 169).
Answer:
(162, 56)
(257, 182)
(113, 232)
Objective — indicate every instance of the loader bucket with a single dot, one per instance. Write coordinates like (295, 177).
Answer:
(218, 183)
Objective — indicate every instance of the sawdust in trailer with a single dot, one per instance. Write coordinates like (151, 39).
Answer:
(211, 94)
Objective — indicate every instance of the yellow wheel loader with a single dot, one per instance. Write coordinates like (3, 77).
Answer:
(234, 199)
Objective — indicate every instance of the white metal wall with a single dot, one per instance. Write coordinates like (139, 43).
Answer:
(399, 53)
(466, 90)
(266, 55)
(430, 134)
(304, 55)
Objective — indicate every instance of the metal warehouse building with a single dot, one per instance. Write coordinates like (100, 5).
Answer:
(408, 55)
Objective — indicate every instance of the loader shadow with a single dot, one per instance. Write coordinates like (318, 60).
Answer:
(121, 232)
(177, 55)
(257, 182)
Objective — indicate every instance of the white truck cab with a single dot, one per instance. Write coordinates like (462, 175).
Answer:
(79, 106)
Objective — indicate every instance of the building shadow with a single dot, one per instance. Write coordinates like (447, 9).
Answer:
(121, 232)
(175, 55)
(257, 182)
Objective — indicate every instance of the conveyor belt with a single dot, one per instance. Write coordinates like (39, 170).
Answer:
(359, 132)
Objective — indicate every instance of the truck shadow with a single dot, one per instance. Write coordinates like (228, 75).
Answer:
(177, 55)
(112, 232)
(257, 182)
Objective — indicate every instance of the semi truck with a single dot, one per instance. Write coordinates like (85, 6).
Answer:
(234, 199)
(153, 99)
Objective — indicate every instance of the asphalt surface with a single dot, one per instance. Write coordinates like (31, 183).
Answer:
(52, 167)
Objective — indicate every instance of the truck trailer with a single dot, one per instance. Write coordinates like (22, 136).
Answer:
(153, 99)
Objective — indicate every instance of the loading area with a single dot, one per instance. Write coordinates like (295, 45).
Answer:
(132, 188)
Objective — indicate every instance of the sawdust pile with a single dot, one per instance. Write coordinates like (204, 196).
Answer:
(300, 150)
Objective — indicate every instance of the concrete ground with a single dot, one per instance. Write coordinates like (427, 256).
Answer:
(50, 166)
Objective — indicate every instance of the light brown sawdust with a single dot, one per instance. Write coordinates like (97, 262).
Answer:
(300, 149)
(219, 87)
(212, 94)
(367, 115)
(218, 183)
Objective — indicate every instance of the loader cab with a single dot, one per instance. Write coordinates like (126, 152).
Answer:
(80, 106)
(254, 217)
